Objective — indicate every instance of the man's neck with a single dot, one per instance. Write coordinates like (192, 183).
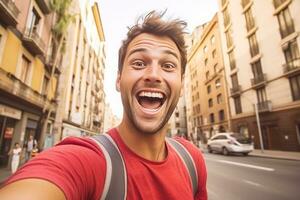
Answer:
(150, 147)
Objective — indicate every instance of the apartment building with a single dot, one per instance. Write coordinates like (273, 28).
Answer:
(81, 98)
(25, 34)
(262, 62)
(209, 106)
(177, 122)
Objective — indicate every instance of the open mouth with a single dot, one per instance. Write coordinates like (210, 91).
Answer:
(151, 100)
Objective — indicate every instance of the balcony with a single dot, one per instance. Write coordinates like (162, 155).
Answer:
(44, 6)
(259, 81)
(9, 13)
(235, 90)
(292, 67)
(12, 85)
(265, 106)
(33, 42)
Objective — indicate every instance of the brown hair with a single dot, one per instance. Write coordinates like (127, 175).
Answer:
(153, 24)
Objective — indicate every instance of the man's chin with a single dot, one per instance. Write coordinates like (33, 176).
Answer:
(149, 129)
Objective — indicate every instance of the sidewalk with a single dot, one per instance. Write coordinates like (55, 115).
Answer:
(287, 155)
(4, 173)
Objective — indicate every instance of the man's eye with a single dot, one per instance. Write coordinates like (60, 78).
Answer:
(138, 63)
(169, 66)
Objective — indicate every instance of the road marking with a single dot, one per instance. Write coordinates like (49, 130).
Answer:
(246, 165)
(252, 183)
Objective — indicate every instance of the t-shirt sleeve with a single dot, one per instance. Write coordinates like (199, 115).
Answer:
(77, 166)
(201, 168)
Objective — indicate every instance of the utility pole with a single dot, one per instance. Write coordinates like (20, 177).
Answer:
(259, 129)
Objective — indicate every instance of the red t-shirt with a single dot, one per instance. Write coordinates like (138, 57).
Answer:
(78, 167)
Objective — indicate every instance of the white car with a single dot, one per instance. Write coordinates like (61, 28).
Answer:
(227, 143)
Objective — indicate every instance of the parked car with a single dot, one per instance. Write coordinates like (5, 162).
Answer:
(227, 143)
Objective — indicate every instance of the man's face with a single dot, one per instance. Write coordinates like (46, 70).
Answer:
(150, 82)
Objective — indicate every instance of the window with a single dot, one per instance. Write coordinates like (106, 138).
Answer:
(249, 20)
(45, 85)
(254, 50)
(205, 49)
(295, 87)
(212, 117)
(214, 53)
(285, 23)
(218, 83)
(221, 115)
(210, 103)
(261, 95)
(278, 3)
(245, 3)
(205, 62)
(198, 108)
(177, 125)
(256, 69)
(237, 105)
(231, 60)
(234, 81)
(34, 21)
(226, 17)
(212, 39)
(207, 75)
(208, 89)
(228, 38)
(215, 68)
(25, 69)
(291, 54)
(219, 98)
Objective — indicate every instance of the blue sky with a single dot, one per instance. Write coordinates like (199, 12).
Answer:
(117, 15)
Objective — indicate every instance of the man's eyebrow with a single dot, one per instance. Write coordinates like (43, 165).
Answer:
(144, 50)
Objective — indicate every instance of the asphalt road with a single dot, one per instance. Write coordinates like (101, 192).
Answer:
(253, 178)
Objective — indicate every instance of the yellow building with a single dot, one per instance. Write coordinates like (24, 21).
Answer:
(24, 71)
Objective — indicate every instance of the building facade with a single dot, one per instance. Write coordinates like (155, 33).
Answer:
(81, 100)
(209, 106)
(262, 61)
(25, 34)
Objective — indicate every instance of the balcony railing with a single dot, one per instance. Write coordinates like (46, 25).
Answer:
(9, 13)
(291, 67)
(13, 85)
(235, 90)
(44, 6)
(33, 42)
(265, 106)
(259, 80)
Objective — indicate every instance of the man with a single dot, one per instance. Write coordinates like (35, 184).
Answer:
(150, 79)
(29, 146)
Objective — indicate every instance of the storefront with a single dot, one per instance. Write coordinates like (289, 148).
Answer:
(8, 119)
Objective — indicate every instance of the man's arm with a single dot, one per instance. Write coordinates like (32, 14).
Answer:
(31, 189)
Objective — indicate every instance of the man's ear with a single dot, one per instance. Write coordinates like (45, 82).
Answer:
(118, 82)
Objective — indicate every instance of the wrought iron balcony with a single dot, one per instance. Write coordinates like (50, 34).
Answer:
(235, 90)
(259, 80)
(264, 106)
(9, 13)
(14, 86)
(292, 67)
(44, 6)
(33, 42)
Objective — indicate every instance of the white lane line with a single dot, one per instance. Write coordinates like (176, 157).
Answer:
(252, 183)
(246, 165)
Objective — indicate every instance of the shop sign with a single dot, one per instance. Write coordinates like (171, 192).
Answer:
(10, 112)
(8, 133)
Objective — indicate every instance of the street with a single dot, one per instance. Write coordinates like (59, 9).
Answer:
(238, 177)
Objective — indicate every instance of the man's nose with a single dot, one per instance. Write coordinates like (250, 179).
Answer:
(153, 73)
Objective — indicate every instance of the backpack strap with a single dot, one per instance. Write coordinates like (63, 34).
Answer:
(115, 186)
(187, 160)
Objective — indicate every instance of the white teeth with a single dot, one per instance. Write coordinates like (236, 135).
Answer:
(151, 94)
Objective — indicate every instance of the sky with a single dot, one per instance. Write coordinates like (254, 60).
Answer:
(118, 15)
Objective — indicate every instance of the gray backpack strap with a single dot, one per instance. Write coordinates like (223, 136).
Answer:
(115, 186)
(187, 160)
